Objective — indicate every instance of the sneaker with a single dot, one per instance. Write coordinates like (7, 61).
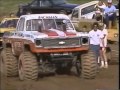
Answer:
(98, 61)
(101, 66)
(106, 66)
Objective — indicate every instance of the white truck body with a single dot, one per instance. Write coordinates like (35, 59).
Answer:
(47, 43)
(28, 29)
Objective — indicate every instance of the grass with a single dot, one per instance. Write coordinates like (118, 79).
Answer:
(8, 6)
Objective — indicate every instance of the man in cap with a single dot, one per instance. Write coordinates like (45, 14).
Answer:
(110, 13)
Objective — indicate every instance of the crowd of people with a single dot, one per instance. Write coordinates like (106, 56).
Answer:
(106, 13)
(98, 43)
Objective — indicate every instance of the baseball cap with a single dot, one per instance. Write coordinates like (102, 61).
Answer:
(109, 1)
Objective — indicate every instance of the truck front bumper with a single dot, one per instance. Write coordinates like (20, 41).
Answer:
(58, 50)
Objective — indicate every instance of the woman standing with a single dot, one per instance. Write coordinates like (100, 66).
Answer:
(103, 46)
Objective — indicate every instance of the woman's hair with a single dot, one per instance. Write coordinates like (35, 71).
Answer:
(95, 23)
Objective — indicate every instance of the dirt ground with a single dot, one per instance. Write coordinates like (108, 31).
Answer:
(107, 79)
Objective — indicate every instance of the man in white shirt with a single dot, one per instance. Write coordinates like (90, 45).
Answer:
(103, 46)
(110, 13)
(95, 36)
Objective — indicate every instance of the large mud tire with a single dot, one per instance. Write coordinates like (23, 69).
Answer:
(9, 62)
(88, 65)
(28, 66)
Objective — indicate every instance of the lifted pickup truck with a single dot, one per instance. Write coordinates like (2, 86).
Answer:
(47, 43)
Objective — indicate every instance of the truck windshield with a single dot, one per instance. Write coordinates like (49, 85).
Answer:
(46, 24)
(58, 2)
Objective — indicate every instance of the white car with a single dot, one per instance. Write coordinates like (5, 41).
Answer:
(84, 14)
(85, 11)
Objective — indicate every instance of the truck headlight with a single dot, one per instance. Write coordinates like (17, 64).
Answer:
(38, 42)
(84, 40)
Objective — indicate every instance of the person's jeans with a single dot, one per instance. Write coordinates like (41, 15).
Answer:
(110, 18)
(96, 50)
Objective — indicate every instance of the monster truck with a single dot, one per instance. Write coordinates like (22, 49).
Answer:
(47, 43)
(6, 25)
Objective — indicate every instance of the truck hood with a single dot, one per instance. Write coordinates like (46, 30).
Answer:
(32, 35)
(56, 34)
(53, 33)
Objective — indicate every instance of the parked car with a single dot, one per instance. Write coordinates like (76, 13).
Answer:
(85, 10)
(7, 25)
(46, 6)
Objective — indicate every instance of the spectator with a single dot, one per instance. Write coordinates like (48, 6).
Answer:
(95, 36)
(103, 46)
(20, 11)
(110, 14)
(49, 24)
(12, 15)
(117, 6)
(98, 16)
(100, 5)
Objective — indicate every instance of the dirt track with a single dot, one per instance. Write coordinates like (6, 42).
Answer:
(107, 79)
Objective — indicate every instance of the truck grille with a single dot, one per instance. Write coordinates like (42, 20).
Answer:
(60, 42)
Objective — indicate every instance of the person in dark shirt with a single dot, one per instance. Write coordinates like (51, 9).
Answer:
(110, 14)
(98, 16)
